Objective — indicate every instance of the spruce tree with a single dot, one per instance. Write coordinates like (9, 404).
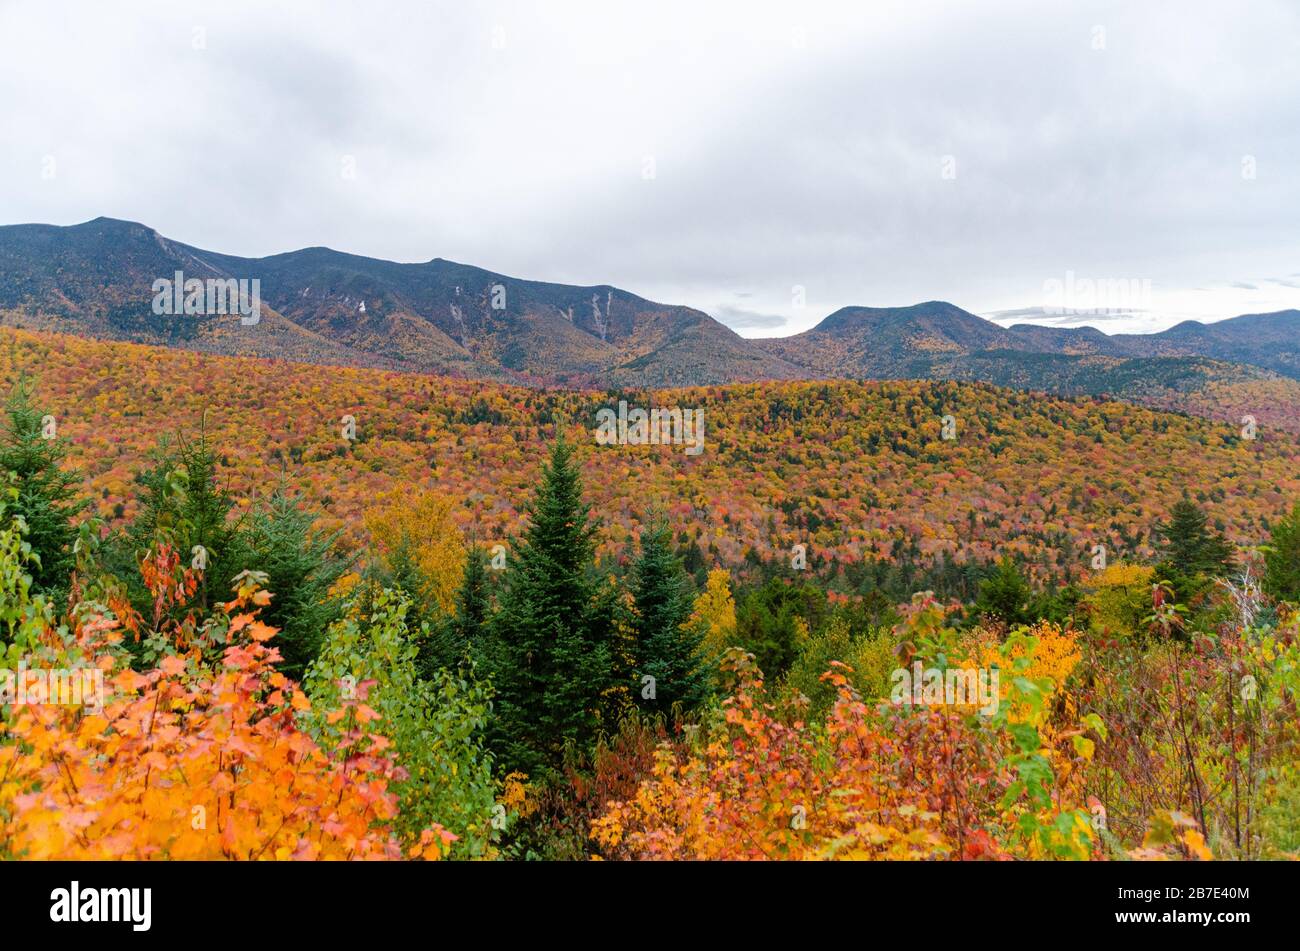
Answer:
(472, 602)
(205, 517)
(1005, 595)
(668, 649)
(1190, 551)
(548, 653)
(302, 566)
(452, 640)
(46, 499)
(770, 621)
(181, 504)
(1282, 559)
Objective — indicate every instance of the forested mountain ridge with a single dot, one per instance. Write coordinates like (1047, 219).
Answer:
(326, 307)
(937, 340)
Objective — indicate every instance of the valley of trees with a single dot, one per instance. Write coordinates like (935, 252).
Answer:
(855, 471)
(471, 633)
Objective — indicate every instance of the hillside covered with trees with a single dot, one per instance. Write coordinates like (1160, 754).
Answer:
(359, 614)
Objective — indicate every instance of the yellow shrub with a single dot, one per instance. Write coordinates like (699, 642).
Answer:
(1120, 598)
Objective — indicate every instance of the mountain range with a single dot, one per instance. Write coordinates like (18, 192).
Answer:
(326, 307)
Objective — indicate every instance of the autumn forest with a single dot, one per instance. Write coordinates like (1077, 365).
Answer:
(353, 613)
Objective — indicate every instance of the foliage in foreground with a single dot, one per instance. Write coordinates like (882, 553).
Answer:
(194, 758)
(434, 726)
(873, 780)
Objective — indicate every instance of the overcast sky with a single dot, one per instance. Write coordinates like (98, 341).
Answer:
(766, 163)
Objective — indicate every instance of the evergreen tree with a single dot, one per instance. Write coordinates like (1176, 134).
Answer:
(181, 504)
(401, 572)
(770, 621)
(205, 517)
(46, 498)
(1282, 559)
(668, 649)
(693, 560)
(1005, 595)
(452, 639)
(159, 485)
(302, 566)
(548, 653)
(1190, 551)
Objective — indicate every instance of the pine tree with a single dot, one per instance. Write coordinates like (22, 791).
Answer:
(770, 621)
(548, 653)
(667, 647)
(1005, 595)
(693, 559)
(46, 499)
(453, 639)
(1190, 552)
(302, 566)
(204, 512)
(1282, 559)
(181, 504)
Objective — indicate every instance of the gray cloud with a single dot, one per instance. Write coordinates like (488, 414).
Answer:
(821, 153)
(739, 319)
(1034, 312)
(1041, 315)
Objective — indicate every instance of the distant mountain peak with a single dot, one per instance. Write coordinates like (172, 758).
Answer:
(331, 307)
(856, 315)
(103, 221)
